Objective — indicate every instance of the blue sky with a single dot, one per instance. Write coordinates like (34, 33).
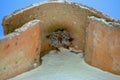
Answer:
(109, 7)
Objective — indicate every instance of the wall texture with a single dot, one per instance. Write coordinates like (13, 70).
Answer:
(20, 50)
(103, 45)
(55, 15)
(23, 45)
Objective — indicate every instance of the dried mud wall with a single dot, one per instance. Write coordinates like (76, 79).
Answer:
(103, 45)
(55, 15)
(19, 50)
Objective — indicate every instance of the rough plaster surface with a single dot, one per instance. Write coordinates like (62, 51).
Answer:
(55, 15)
(65, 65)
(19, 50)
(103, 45)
